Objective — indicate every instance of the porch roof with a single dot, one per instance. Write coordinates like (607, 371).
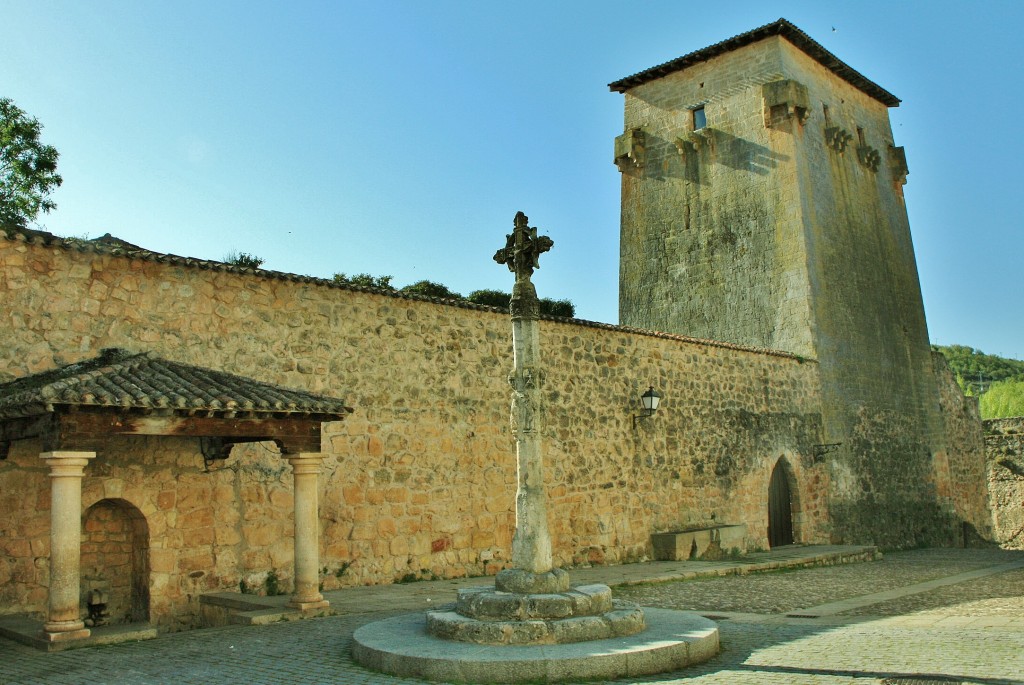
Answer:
(118, 379)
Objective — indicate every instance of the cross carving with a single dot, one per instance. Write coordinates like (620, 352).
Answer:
(523, 248)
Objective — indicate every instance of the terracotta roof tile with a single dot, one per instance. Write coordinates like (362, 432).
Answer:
(782, 28)
(121, 379)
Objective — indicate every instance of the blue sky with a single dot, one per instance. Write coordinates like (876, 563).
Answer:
(401, 137)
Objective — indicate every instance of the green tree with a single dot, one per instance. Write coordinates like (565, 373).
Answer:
(491, 298)
(431, 289)
(364, 280)
(557, 307)
(1003, 399)
(244, 259)
(977, 369)
(499, 298)
(28, 169)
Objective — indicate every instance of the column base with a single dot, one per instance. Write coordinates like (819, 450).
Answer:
(308, 605)
(63, 631)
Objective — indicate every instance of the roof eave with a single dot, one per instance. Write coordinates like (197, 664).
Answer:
(782, 28)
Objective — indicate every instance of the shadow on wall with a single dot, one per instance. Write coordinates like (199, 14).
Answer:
(688, 155)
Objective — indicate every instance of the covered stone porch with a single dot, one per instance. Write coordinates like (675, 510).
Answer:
(76, 412)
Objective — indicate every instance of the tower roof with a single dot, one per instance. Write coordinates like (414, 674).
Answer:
(780, 27)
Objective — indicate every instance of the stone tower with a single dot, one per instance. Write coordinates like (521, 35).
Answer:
(762, 204)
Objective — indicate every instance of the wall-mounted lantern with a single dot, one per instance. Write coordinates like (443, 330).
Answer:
(650, 401)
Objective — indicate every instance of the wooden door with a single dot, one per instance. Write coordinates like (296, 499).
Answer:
(780, 509)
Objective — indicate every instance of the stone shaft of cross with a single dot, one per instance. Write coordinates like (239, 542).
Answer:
(531, 543)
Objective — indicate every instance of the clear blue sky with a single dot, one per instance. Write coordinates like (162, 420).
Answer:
(401, 137)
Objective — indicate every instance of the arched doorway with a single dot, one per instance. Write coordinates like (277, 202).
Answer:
(115, 560)
(780, 507)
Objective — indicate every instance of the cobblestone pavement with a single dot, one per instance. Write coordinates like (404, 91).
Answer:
(760, 645)
(786, 591)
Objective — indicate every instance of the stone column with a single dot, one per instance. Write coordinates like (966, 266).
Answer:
(305, 468)
(533, 572)
(63, 618)
(531, 543)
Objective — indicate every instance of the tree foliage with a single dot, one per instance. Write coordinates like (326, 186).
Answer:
(491, 298)
(500, 298)
(978, 370)
(244, 259)
(364, 280)
(431, 289)
(28, 169)
(1003, 399)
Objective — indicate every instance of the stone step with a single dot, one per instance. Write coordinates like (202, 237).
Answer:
(262, 617)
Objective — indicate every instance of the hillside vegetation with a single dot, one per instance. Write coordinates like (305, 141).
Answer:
(998, 382)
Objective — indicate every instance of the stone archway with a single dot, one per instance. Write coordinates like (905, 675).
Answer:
(115, 560)
(780, 506)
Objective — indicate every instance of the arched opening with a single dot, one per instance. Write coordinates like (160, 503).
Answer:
(780, 507)
(115, 563)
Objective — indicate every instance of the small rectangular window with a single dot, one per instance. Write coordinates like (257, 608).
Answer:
(699, 119)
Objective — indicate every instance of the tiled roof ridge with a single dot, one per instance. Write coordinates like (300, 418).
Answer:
(780, 27)
(31, 236)
(109, 360)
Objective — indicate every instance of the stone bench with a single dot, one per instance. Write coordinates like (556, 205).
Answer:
(695, 543)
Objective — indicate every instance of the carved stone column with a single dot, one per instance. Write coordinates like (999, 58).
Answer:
(63, 618)
(305, 468)
(531, 542)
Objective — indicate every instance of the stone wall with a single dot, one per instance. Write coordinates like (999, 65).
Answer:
(961, 475)
(1004, 447)
(419, 481)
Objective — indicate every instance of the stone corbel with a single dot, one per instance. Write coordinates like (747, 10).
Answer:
(785, 100)
(869, 157)
(898, 164)
(629, 149)
(837, 138)
(692, 141)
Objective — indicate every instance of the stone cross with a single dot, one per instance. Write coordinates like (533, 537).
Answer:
(531, 544)
(523, 248)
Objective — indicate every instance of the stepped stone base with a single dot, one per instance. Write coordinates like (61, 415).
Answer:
(489, 616)
(625, 619)
(402, 646)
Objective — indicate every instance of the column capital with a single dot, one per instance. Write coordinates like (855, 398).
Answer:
(66, 462)
(305, 462)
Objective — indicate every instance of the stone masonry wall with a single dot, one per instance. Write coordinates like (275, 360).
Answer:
(961, 470)
(1004, 447)
(419, 481)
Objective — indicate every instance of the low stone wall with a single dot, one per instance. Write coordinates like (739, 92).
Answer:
(960, 466)
(1004, 448)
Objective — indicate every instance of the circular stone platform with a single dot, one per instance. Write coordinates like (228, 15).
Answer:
(401, 646)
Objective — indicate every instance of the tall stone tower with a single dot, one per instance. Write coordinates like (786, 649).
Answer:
(762, 204)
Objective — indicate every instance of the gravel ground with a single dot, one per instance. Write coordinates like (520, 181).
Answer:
(781, 592)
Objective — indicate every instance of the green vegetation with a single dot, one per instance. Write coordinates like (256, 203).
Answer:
(998, 381)
(28, 169)
(491, 298)
(244, 260)
(1003, 399)
(431, 289)
(364, 280)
